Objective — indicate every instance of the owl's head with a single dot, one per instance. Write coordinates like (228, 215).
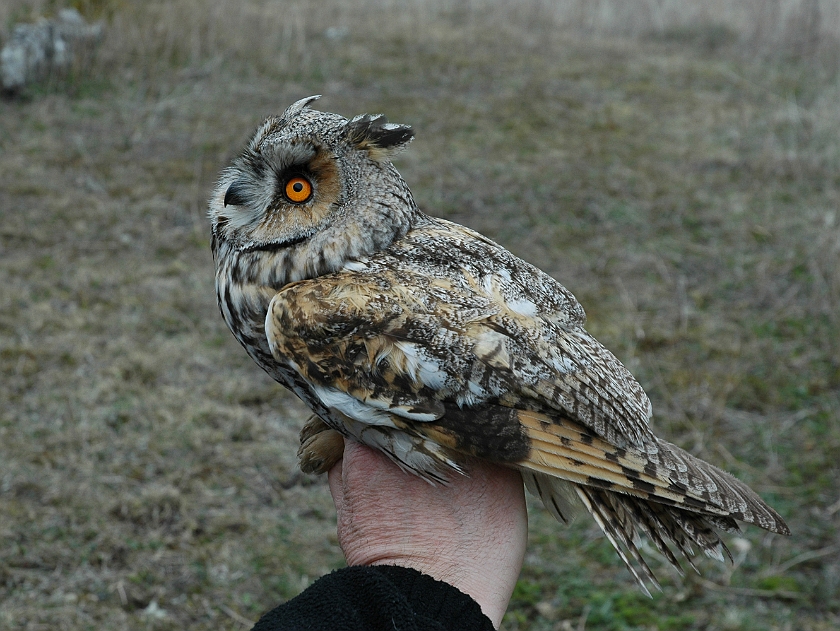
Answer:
(316, 186)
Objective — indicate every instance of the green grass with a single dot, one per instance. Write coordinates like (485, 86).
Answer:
(684, 190)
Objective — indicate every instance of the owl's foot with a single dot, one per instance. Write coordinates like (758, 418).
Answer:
(320, 446)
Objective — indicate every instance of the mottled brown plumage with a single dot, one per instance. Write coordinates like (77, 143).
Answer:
(428, 341)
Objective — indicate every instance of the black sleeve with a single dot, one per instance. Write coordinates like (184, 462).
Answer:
(377, 597)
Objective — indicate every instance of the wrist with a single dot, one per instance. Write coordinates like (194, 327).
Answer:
(470, 534)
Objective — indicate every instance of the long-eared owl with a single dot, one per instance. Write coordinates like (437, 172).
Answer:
(428, 341)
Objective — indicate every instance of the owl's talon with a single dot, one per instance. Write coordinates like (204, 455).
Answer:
(314, 425)
(320, 447)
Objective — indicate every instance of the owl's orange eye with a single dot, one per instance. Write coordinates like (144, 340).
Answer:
(298, 189)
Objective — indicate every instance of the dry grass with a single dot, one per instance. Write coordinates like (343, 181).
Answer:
(683, 186)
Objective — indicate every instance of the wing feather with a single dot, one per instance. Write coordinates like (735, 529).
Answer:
(393, 334)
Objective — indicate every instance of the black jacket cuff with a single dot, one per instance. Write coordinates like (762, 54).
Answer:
(377, 597)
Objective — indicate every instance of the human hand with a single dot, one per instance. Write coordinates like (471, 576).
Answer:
(470, 533)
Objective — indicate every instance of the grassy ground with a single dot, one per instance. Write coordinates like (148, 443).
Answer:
(685, 190)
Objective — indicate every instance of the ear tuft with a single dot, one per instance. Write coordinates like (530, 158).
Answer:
(298, 106)
(377, 136)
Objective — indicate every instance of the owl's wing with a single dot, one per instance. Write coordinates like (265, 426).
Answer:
(425, 357)
(401, 341)
(427, 368)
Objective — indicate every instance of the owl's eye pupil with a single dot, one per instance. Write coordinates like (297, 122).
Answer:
(298, 189)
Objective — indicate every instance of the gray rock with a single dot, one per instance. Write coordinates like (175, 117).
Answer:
(49, 46)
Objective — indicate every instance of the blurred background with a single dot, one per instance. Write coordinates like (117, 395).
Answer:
(675, 164)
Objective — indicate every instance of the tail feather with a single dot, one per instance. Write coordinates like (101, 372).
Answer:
(556, 495)
(663, 473)
(623, 518)
(655, 527)
(620, 533)
(677, 501)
